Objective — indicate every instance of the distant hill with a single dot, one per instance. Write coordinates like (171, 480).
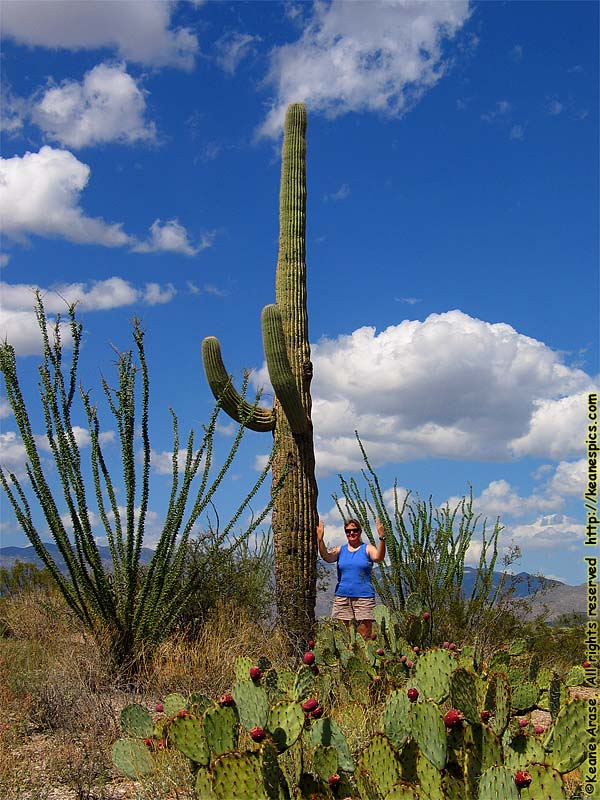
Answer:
(558, 598)
(555, 597)
(8, 556)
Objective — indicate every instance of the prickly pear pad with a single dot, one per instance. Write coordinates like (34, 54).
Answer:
(187, 735)
(285, 724)
(136, 721)
(303, 683)
(432, 674)
(252, 704)
(239, 776)
(173, 703)
(546, 783)
(497, 700)
(325, 761)
(427, 727)
(327, 732)
(496, 783)
(395, 719)
(380, 761)
(463, 691)
(132, 757)
(220, 728)
(569, 738)
(404, 791)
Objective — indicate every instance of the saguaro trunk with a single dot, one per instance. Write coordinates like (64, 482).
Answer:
(287, 351)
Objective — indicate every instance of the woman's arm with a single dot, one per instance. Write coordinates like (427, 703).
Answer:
(330, 556)
(377, 554)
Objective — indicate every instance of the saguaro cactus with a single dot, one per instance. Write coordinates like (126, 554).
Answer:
(287, 351)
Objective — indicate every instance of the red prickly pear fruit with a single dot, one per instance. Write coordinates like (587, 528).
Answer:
(310, 705)
(446, 645)
(586, 665)
(334, 781)
(453, 718)
(373, 636)
(522, 778)
(416, 650)
(255, 673)
(539, 729)
(523, 723)
(409, 664)
(426, 615)
(183, 712)
(317, 713)
(451, 646)
(380, 651)
(311, 644)
(159, 707)
(226, 700)
(412, 694)
(403, 659)
(309, 658)
(257, 734)
(485, 715)
(149, 743)
(161, 744)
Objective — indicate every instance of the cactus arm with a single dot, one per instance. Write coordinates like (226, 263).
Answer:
(257, 418)
(280, 370)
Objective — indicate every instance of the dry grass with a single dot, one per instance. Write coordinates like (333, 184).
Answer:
(61, 701)
(64, 701)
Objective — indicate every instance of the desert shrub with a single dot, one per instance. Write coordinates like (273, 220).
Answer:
(135, 607)
(206, 662)
(426, 552)
(242, 576)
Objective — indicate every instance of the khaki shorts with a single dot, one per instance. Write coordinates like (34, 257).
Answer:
(358, 608)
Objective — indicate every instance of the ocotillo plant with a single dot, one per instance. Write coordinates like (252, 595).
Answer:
(287, 351)
(134, 608)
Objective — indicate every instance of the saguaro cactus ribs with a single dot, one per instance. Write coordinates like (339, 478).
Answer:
(287, 351)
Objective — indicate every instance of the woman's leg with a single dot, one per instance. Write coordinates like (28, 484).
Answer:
(365, 628)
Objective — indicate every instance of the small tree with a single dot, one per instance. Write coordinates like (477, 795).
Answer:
(426, 551)
(135, 606)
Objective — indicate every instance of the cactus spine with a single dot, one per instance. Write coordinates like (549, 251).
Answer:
(287, 352)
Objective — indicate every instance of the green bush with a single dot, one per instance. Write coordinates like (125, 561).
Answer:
(243, 576)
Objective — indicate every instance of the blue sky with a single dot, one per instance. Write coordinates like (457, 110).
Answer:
(452, 235)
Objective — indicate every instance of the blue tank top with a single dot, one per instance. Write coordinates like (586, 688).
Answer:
(354, 573)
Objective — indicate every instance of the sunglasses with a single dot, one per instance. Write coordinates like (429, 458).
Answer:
(352, 530)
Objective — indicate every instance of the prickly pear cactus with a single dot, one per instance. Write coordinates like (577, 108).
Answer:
(432, 674)
(496, 783)
(285, 723)
(220, 729)
(187, 735)
(133, 758)
(173, 703)
(136, 721)
(568, 740)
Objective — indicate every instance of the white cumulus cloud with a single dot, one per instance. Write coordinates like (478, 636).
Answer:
(139, 30)
(107, 106)
(378, 56)
(556, 428)
(167, 236)
(40, 196)
(451, 386)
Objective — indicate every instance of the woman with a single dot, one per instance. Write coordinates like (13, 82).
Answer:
(354, 592)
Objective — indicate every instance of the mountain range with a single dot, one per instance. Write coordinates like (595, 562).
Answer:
(558, 598)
